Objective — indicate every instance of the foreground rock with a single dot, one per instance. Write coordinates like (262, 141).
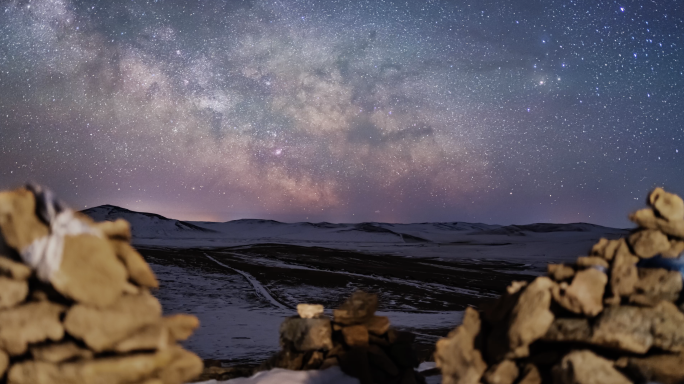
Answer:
(75, 306)
(613, 316)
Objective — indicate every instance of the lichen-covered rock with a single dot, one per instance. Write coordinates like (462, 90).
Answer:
(102, 328)
(585, 367)
(29, 323)
(504, 372)
(358, 308)
(585, 294)
(456, 355)
(668, 205)
(649, 242)
(306, 334)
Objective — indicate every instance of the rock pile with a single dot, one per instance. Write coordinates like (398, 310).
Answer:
(362, 344)
(604, 319)
(75, 306)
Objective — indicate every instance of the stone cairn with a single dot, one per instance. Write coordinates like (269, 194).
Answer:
(75, 306)
(603, 319)
(361, 344)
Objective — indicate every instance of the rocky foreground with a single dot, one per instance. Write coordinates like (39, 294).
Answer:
(607, 318)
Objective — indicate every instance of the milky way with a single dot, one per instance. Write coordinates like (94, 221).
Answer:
(492, 111)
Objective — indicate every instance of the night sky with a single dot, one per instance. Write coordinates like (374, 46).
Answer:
(346, 111)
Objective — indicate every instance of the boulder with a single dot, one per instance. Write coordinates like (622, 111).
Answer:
(664, 369)
(646, 218)
(649, 242)
(569, 330)
(531, 317)
(668, 205)
(657, 284)
(585, 294)
(623, 273)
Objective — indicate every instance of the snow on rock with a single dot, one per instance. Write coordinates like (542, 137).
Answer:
(283, 376)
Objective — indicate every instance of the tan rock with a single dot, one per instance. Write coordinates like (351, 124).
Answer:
(309, 311)
(591, 261)
(657, 284)
(530, 375)
(637, 329)
(90, 272)
(184, 367)
(377, 357)
(649, 242)
(504, 372)
(378, 325)
(585, 367)
(138, 269)
(29, 323)
(12, 292)
(531, 317)
(150, 337)
(118, 229)
(355, 335)
(647, 218)
(4, 362)
(13, 269)
(585, 294)
(676, 249)
(668, 205)
(606, 248)
(112, 370)
(306, 334)
(57, 353)
(358, 308)
(315, 361)
(560, 272)
(102, 328)
(456, 355)
(665, 369)
(18, 222)
(181, 326)
(623, 274)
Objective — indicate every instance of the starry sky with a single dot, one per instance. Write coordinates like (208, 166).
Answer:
(488, 111)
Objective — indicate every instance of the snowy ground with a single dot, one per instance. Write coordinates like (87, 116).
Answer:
(241, 278)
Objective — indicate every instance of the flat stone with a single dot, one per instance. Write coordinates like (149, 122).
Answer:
(96, 281)
(138, 269)
(504, 372)
(560, 272)
(306, 334)
(649, 242)
(591, 261)
(309, 311)
(378, 325)
(102, 328)
(359, 307)
(585, 367)
(29, 323)
(637, 329)
(355, 335)
(658, 284)
(668, 205)
(181, 325)
(111, 370)
(13, 269)
(531, 317)
(585, 294)
(456, 355)
(57, 353)
(665, 369)
(12, 292)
